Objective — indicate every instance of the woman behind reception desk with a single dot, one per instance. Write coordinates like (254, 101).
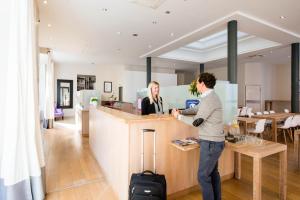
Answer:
(153, 102)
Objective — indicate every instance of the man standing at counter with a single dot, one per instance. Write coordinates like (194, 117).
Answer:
(209, 118)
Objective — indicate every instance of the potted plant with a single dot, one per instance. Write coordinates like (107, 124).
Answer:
(94, 101)
(193, 88)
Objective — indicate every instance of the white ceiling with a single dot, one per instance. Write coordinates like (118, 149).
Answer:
(82, 31)
(214, 47)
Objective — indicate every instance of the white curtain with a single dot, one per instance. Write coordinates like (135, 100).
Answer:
(49, 89)
(21, 159)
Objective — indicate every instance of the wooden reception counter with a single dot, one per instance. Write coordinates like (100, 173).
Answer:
(115, 140)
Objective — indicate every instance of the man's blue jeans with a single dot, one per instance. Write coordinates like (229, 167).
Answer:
(208, 174)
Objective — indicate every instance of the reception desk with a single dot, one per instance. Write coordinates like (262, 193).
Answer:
(115, 140)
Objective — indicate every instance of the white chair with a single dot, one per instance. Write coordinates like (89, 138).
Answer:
(286, 110)
(258, 113)
(286, 128)
(266, 113)
(249, 112)
(259, 128)
(295, 122)
(272, 112)
(238, 112)
(243, 111)
(298, 121)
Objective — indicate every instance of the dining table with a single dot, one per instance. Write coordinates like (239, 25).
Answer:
(275, 118)
(246, 121)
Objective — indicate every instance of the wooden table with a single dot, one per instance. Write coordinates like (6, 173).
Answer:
(296, 146)
(257, 152)
(246, 121)
(276, 117)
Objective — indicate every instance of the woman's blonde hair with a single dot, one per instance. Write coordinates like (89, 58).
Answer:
(150, 95)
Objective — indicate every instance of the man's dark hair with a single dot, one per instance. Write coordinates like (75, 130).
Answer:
(208, 79)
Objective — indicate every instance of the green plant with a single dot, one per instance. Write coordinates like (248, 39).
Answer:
(193, 88)
(94, 99)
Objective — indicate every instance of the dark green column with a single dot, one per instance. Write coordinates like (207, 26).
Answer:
(295, 78)
(148, 70)
(201, 68)
(232, 51)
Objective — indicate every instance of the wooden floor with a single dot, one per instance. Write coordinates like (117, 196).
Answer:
(73, 174)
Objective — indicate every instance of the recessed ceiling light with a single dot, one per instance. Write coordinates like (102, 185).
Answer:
(282, 17)
(135, 35)
(154, 22)
(92, 63)
(45, 1)
(119, 33)
(49, 25)
(149, 46)
(104, 9)
(168, 12)
(172, 34)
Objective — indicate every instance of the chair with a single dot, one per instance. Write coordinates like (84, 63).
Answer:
(258, 113)
(266, 113)
(286, 128)
(298, 121)
(58, 113)
(243, 111)
(249, 112)
(272, 112)
(295, 122)
(238, 112)
(286, 110)
(259, 128)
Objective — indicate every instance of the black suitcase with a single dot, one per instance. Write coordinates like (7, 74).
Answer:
(148, 185)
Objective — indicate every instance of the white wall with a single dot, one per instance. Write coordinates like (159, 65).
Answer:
(219, 72)
(275, 80)
(282, 83)
(111, 73)
(119, 75)
(136, 80)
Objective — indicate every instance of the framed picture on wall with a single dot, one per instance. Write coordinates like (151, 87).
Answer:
(107, 87)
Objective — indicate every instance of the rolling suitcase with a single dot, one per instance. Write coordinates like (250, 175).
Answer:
(148, 185)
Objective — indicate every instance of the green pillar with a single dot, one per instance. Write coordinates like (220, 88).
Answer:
(295, 78)
(148, 71)
(232, 51)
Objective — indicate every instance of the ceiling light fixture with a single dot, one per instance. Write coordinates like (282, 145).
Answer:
(49, 25)
(135, 35)
(104, 9)
(171, 34)
(45, 2)
(167, 12)
(154, 4)
(154, 22)
(119, 33)
(282, 17)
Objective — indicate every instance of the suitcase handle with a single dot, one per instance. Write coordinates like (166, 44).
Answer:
(147, 172)
(154, 149)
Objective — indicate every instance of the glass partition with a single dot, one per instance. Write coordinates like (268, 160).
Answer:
(176, 96)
